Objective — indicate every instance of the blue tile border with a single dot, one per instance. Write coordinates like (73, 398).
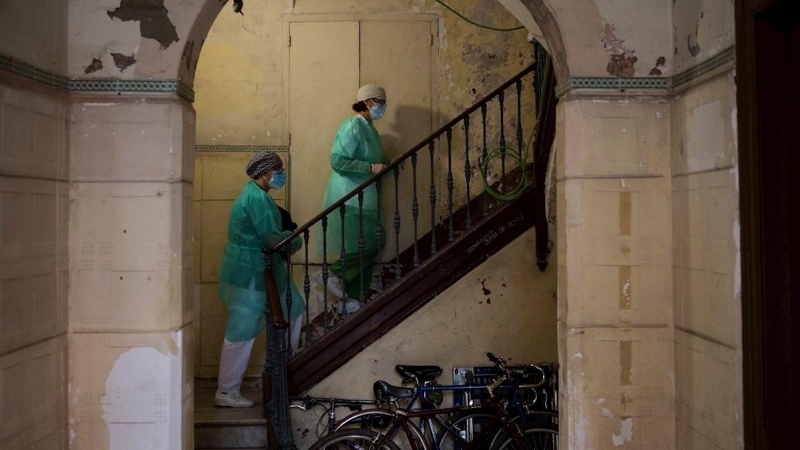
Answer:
(239, 148)
(719, 60)
(660, 85)
(656, 85)
(613, 83)
(96, 85)
(32, 73)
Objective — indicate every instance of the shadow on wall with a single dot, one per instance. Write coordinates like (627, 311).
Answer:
(408, 127)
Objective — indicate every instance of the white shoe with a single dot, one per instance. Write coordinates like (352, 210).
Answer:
(233, 400)
(334, 284)
(352, 305)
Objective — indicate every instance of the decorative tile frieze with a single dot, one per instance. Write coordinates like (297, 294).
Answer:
(96, 85)
(654, 84)
(720, 60)
(141, 86)
(32, 73)
(662, 85)
(240, 148)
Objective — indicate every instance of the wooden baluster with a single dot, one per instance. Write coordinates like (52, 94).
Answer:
(398, 268)
(361, 296)
(450, 183)
(307, 287)
(467, 168)
(415, 208)
(432, 196)
(379, 235)
(325, 324)
(484, 156)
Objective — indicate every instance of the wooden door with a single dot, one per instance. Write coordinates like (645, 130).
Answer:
(328, 61)
(768, 60)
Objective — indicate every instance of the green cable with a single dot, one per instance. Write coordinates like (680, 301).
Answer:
(521, 158)
(476, 24)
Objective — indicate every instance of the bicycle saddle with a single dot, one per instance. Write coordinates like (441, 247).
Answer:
(421, 373)
(386, 393)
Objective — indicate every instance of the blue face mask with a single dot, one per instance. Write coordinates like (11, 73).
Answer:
(377, 111)
(278, 180)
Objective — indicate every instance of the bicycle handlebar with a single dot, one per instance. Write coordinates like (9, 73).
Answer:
(501, 364)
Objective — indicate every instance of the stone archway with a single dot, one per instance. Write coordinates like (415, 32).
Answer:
(628, 165)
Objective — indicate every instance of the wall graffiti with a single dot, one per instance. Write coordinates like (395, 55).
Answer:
(492, 235)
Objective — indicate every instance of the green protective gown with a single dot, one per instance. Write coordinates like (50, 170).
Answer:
(255, 223)
(356, 146)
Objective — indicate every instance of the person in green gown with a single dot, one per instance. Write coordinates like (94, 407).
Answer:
(356, 155)
(255, 222)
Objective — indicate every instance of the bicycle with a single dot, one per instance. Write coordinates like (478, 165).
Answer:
(329, 404)
(458, 429)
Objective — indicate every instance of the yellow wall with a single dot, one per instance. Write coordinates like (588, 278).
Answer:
(241, 80)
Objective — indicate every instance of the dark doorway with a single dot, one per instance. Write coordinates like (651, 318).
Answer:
(768, 84)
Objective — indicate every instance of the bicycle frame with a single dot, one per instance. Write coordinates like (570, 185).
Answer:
(330, 404)
(402, 420)
(401, 417)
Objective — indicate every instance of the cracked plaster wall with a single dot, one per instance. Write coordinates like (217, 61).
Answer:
(152, 35)
(243, 53)
(701, 29)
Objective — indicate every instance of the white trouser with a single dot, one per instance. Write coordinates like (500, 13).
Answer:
(235, 356)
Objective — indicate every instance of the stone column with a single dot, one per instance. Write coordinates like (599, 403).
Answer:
(130, 341)
(614, 275)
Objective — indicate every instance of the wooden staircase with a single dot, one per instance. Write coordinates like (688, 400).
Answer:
(417, 287)
(454, 259)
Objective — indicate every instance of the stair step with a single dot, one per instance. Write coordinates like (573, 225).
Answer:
(217, 428)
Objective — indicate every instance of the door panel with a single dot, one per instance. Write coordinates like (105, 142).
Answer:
(397, 56)
(323, 80)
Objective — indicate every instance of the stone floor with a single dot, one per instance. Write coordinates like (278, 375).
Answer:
(228, 428)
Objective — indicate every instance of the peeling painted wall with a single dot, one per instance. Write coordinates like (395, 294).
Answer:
(701, 29)
(641, 33)
(154, 33)
(239, 75)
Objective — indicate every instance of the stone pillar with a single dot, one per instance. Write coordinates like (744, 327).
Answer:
(130, 340)
(614, 275)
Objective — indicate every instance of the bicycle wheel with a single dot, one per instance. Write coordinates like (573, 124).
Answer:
(541, 419)
(406, 436)
(533, 438)
(460, 431)
(352, 439)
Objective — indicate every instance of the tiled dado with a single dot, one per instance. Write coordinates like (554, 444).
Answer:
(96, 85)
(240, 148)
(654, 85)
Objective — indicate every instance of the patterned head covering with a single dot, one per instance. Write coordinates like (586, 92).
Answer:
(261, 162)
(369, 91)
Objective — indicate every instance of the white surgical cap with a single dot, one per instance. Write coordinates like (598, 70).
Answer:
(370, 91)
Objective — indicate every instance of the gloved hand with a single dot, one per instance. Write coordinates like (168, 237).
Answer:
(376, 168)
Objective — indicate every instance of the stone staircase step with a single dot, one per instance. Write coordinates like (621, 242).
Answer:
(217, 428)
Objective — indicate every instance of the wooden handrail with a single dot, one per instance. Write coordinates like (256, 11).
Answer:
(486, 99)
